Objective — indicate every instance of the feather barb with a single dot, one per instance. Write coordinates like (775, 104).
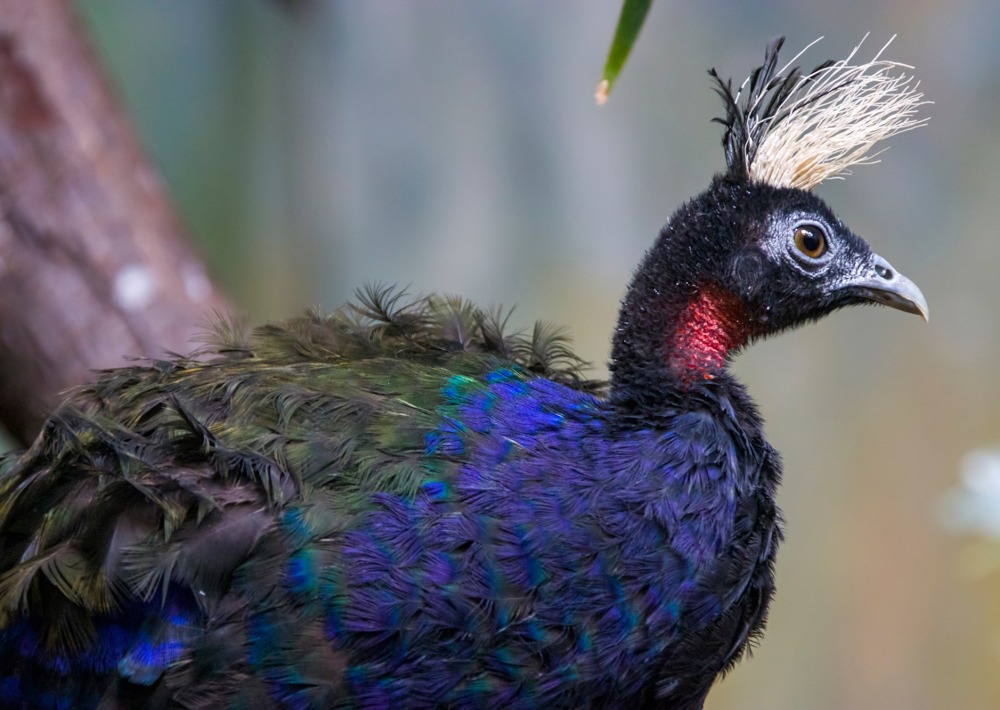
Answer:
(789, 129)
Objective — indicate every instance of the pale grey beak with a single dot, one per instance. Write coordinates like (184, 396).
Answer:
(883, 284)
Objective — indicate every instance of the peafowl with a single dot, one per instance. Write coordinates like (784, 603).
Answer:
(403, 504)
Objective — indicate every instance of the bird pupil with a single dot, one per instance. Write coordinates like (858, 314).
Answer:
(809, 241)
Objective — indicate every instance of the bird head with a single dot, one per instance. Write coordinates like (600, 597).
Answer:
(789, 259)
(759, 252)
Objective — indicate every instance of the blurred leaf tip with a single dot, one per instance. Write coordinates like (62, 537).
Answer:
(630, 21)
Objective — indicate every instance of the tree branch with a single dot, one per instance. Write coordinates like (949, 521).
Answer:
(94, 266)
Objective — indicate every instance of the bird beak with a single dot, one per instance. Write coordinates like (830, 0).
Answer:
(883, 284)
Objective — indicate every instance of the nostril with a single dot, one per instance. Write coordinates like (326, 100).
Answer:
(884, 271)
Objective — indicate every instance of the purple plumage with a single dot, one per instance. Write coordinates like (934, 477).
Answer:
(403, 506)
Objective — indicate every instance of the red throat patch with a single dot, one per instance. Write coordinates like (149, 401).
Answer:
(706, 331)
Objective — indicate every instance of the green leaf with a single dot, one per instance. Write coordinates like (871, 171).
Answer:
(629, 23)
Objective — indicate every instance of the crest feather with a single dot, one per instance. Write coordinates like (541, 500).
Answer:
(790, 129)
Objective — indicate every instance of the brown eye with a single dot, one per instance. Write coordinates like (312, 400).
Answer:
(810, 241)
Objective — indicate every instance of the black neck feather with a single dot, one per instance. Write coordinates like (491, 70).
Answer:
(650, 368)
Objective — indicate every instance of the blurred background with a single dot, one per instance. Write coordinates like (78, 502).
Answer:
(455, 146)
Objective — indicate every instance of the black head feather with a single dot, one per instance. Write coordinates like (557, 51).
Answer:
(759, 104)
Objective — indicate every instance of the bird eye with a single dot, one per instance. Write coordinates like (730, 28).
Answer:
(810, 240)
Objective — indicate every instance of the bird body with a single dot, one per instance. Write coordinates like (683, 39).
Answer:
(446, 522)
(401, 505)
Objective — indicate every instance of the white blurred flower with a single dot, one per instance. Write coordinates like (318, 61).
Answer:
(974, 505)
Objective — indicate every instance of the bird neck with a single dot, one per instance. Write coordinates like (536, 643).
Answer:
(675, 334)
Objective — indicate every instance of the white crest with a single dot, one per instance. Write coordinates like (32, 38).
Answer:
(797, 130)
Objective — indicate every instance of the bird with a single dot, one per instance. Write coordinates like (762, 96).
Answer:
(405, 503)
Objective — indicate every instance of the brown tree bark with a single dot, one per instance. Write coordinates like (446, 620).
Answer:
(94, 266)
